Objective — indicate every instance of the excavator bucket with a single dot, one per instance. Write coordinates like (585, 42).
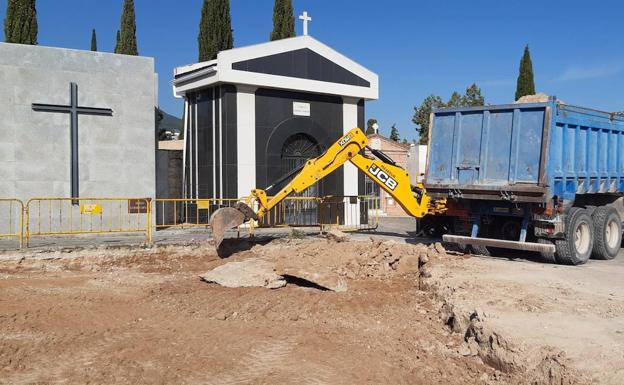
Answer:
(228, 218)
(224, 219)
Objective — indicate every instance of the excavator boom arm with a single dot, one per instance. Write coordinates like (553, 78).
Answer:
(390, 177)
(395, 181)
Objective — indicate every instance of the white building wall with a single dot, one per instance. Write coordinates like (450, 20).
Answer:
(352, 212)
(422, 160)
(246, 139)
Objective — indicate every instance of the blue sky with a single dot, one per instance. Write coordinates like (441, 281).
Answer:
(416, 47)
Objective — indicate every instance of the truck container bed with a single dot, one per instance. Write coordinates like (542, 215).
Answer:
(524, 152)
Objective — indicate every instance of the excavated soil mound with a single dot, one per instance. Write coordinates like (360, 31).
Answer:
(144, 316)
(327, 265)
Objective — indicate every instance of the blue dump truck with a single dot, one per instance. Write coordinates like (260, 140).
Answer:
(545, 177)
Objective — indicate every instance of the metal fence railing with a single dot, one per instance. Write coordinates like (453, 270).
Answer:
(294, 212)
(41, 217)
(187, 213)
(12, 219)
(75, 216)
(350, 213)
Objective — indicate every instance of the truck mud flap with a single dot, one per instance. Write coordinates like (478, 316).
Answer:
(514, 245)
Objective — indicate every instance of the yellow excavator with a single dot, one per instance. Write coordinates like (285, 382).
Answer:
(350, 148)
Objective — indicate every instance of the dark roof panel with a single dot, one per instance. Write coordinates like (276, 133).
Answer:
(303, 64)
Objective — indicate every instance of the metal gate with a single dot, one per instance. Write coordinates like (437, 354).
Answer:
(297, 150)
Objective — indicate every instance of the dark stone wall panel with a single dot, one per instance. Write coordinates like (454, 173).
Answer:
(230, 150)
(216, 105)
(275, 123)
(304, 64)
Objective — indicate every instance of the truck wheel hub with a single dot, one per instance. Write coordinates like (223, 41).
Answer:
(581, 238)
(611, 234)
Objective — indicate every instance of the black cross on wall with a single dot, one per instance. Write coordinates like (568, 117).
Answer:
(73, 110)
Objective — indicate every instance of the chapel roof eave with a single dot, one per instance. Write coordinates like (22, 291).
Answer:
(221, 71)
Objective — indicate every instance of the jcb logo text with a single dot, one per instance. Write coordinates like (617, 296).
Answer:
(383, 177)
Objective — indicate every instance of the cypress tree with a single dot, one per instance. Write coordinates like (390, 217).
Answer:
(20, 24)
(127, 37)
(93, 41)
(118, 41)
(283, 20)
(394, 133)
(215, 29)
(526, 84)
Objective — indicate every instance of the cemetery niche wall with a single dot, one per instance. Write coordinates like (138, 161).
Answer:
(76, 123)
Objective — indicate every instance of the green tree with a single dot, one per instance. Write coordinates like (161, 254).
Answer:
(118, 41)
(422, 114)
(526, 84)
(394, 133)
(473, 97)
(283, 20)
(93, 41)
(127, 37)
(215, 29)
(20, 24)
(369, 126)
(455, 100)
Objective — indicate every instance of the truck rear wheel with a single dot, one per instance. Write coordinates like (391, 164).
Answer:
(607, 233)
(577, 246)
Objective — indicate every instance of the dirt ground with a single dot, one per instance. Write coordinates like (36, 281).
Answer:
(144, 316)
(578, 310)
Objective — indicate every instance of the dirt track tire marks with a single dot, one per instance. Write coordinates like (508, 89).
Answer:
(271, 361)
(79, 358)
(257, 364)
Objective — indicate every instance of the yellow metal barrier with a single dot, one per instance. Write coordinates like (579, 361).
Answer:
(187, 213)
(350, 213)
(75, 216)
(195, 213)
(294, 212)
(12, 219)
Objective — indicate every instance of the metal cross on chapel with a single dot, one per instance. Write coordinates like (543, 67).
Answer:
(305, 19)
(73, 110)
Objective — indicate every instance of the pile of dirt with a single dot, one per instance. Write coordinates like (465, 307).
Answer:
(537, 98)
(329, 264)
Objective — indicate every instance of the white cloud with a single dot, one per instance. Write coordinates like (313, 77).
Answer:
(590, 72)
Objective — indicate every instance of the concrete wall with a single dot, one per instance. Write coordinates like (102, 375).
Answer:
(417, 162)
(169, 165)
(400, 154)
(116, 154)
